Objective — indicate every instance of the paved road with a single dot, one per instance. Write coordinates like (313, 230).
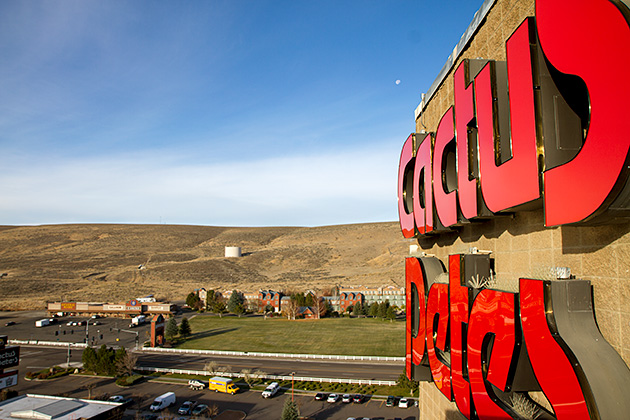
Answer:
(34, 358)
(309, 368)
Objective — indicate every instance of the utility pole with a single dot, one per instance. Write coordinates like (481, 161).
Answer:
(130, 332)
(292, 377)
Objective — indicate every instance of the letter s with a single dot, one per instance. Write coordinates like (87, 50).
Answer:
(589, 39)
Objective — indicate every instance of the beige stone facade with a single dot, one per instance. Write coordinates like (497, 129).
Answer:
(520, 244)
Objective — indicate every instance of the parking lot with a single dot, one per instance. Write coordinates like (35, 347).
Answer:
(109, 331)
(250, 402)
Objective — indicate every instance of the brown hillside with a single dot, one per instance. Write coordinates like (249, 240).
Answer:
(100, 262)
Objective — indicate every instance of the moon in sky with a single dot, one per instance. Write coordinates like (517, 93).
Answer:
(397, 81)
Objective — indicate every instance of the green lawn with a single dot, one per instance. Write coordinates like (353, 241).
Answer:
(353, 336)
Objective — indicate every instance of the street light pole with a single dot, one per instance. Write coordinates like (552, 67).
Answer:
(292, 377)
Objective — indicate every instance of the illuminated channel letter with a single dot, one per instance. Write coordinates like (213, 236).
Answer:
(492, 339)
(422, 187)
(416, 329)
(508, 184)
(459, 296)
(464, 118)
(444, 171)
(437, 337)
(551, 366)
(405, 188)
(592, 42)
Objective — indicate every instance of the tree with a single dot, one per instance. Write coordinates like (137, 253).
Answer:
(382, 309)
(184, 328)
(105, 364)
(290, 309)
(290, 410)
(406, 383)
(218, 307)
(211, 366)
(171, 329)
(193, 301)
(357, 309)
(247, 376)
(89, 359)
(90, 387)
(309, 299)
(299, 299)
(125, 362)
(212, 298)
(319, 306)
(236, 303)
(391, 313)
(374, 310)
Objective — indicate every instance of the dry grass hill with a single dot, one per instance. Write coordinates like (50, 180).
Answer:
(99, 263)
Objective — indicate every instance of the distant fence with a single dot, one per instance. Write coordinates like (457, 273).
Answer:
(278, 355)
(48, 343)
(266, 376)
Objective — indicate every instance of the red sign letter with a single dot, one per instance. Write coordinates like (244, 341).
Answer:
(422, 187)
(415, 308)
(464, 114)
(437, 333)
(551, 366)
(492, 328)
(405, 188)
(514, 182)
(459, 324)
(590, 39)
(445, 200)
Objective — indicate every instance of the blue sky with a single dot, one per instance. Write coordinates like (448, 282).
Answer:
(230, 113)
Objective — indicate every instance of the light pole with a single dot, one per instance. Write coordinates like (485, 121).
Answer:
(292, 377)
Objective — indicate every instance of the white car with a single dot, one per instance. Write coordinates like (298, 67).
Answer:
(271, 390)
(347, 398)
(333, 398)
(404, 403)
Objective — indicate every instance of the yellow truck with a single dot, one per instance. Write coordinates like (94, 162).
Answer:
(218, 384)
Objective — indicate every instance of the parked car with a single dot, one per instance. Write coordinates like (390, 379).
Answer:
(391, 401)
(346, 398)
(271, 390)
(404, 403)
(163, 401)
(186, 408)
(320, 396)
(358, 398)
(8, 324)
(332, 398)
(199, 410)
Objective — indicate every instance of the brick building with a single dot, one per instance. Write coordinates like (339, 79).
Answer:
(269, 298)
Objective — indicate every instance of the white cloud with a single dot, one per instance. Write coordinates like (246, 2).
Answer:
(350, 187)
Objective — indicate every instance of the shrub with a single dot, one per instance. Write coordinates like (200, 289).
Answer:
(128, 380)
